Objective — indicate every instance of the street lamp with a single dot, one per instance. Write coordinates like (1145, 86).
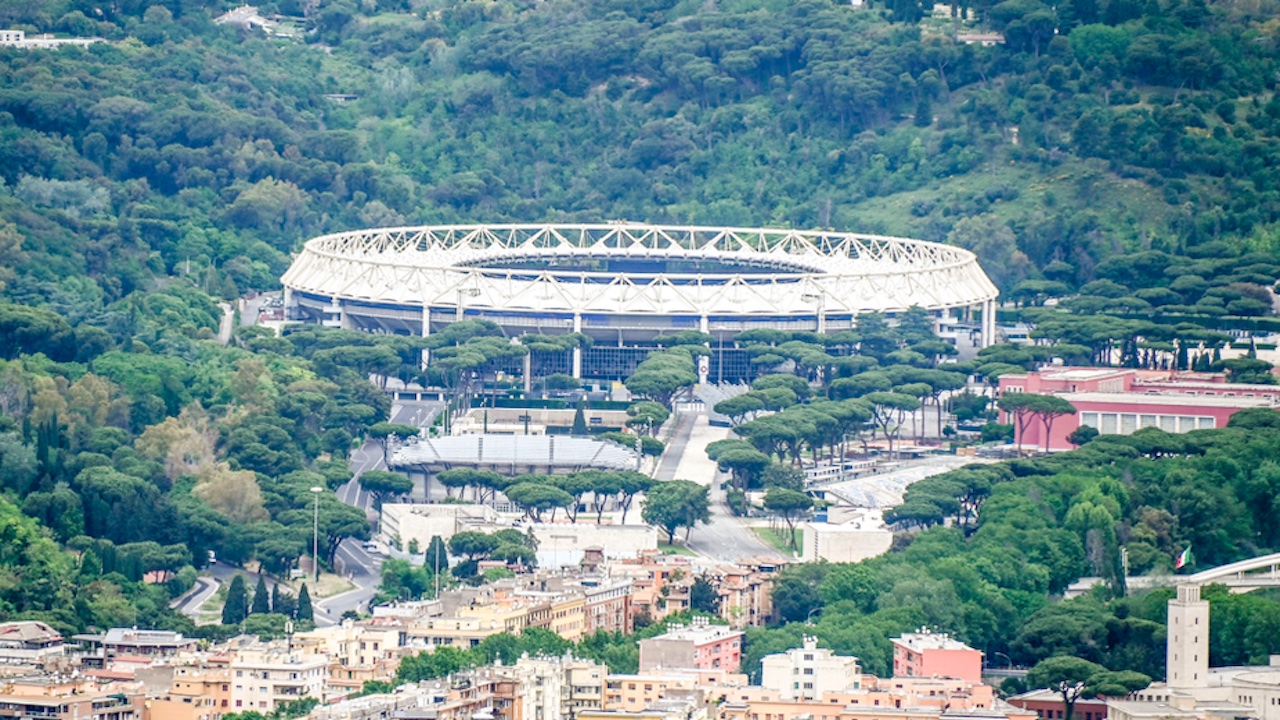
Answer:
(315, 531)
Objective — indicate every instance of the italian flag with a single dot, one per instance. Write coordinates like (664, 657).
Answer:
(1182, 559)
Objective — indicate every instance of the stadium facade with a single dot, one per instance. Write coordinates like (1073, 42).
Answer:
(626, 284)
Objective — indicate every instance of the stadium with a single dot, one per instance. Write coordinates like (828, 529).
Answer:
(626, 284)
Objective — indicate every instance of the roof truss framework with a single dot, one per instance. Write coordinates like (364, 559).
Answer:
(805, 272)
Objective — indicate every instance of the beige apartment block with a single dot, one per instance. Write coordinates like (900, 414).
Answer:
(266, 675)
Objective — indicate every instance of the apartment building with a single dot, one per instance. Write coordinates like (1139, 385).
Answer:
(356, 653)
(266, 675)
(809, 671)
(929, 654)
(28, 642)
(195, 692)
(52, 698)
(607, 604)
(699, 646)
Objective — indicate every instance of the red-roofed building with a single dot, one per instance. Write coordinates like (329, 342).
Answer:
(1121, 401)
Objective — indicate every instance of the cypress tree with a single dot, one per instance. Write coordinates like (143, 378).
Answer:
(304, 604)
(236, 607)
(275, 598)
(261, 598)
(437, 559)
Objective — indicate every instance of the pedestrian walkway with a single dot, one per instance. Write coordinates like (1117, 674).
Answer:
(675, 447)
(694, 463)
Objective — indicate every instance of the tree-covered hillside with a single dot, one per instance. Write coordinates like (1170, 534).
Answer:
(194, 149)
(1120, 154)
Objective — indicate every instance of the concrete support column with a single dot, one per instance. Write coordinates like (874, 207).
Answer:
(426, 332)
(988, 323)
(335, 316)
(528, 372)
(577, 351)
(704, 363)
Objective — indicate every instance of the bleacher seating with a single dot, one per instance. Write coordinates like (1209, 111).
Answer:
(712, 394)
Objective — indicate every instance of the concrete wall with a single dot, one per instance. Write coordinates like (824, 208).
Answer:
(561, 544)
(662, 652)
(844, 543)
(422, 522)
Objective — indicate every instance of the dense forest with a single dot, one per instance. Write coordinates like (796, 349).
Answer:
(1121, 157)
(184, 148)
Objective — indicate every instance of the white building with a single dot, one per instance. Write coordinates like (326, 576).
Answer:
(407, 700)
(407, 522)
(849, 535)
(19, 39)
(540, 683)
(245, 17)
(808, 672)
(264, 676)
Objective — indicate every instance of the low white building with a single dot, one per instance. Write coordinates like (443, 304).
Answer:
(19, 39)
(560, 544)
(407, 522)
(565, 544)
(850, 536)
(809, 671)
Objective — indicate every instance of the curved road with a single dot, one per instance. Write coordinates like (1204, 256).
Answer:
(362, 568)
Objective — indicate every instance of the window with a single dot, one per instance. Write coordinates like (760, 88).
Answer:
(808, 671)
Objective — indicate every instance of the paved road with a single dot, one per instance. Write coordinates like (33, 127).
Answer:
(225, 325)
(676, 447)
(207, 584)
(726, 538)
(361, 567)
(190, 603)
(253, 307)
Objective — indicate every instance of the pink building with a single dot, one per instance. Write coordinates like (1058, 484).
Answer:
(1119, 401)
(928, 654)
(700, 646)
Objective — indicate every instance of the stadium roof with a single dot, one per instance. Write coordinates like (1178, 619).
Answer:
(550, 451)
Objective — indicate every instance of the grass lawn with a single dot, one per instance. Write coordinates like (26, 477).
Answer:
(778, 539)
(675, 550)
